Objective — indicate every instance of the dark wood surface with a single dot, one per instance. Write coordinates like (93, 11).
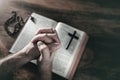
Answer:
(99, 18)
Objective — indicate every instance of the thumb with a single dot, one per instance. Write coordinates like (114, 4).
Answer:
(44, 50)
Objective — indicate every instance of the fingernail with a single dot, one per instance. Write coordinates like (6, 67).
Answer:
(39, 43)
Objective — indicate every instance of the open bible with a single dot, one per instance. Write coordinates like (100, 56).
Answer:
(72, 40)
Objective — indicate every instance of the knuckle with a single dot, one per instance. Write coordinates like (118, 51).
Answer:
(44, 49)
(39, 43)
(44, 35)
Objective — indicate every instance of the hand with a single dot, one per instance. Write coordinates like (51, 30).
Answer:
(42, 35)
(44, 65)
(46, 49)
(50, 38)
(46, 35)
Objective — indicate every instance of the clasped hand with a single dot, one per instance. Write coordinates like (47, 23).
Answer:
(44, 43)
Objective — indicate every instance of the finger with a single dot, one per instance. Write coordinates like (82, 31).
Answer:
(54, 37)
(42, 37)
(44, 50)
(57, 38)
(41, 46)
(45, 30)
(53, 47)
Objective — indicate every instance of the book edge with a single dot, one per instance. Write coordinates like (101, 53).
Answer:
(77, 58)
(13, 45)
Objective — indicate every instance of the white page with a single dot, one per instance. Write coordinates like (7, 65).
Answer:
(63, 58)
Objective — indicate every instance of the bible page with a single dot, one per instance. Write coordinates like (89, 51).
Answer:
(64, 57)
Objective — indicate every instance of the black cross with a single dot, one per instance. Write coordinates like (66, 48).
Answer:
(72, 37)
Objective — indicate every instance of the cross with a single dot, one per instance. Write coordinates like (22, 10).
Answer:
(72, 37)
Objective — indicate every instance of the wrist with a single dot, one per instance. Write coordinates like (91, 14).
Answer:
(30, 51)
(24, 55)
(44, 63)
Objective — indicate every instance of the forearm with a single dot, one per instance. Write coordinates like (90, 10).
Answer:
(45, 70)
(13, 62)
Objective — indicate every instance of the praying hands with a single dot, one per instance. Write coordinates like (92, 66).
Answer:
(41, 47)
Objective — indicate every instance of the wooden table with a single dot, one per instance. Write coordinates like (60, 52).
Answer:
(100, 19)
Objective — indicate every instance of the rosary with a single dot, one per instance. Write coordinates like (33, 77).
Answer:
(14, 24)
